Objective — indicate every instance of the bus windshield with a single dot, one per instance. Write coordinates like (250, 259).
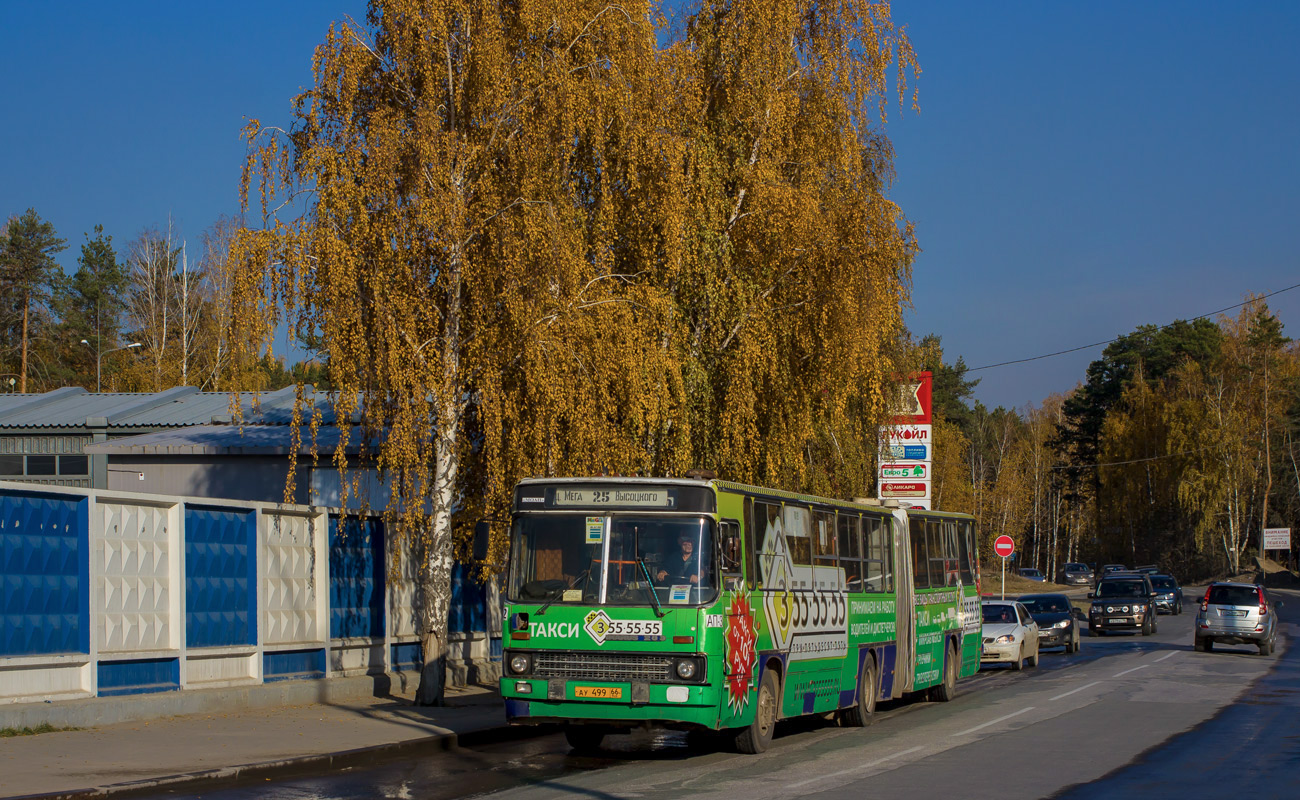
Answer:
(561, 558)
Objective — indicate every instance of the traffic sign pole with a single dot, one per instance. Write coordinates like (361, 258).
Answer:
(1004, 546)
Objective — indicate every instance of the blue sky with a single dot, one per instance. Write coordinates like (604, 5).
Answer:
(1076, 170)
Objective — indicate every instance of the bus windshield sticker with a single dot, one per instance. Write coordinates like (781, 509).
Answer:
(595, 530)
(572, 595)
(680, 594)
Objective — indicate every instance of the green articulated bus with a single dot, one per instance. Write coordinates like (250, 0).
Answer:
(708, 605)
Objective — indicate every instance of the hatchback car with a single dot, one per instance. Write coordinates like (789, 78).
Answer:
(1056, 618)
(1122, 602)
(1010, 635)
(1169, 595)
(1075, 574)
(1032, 574)
(1236, 613)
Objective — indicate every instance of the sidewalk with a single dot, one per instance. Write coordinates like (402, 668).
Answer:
(141, 755)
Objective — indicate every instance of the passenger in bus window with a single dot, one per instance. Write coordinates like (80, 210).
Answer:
(681, 569)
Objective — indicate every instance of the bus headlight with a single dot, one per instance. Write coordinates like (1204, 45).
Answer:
(688, 669)
(520, 663)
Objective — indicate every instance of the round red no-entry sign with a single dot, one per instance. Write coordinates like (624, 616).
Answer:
(1004, 545)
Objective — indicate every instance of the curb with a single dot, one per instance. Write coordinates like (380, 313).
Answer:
(290, 767)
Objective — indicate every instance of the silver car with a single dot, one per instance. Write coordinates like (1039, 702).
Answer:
(1237, 613)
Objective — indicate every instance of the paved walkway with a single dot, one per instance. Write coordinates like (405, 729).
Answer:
(140, 755)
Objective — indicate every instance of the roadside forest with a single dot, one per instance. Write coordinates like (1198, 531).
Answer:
(1179, 446)
(164, 294)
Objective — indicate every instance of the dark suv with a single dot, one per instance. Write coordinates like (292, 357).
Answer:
(1122, 602)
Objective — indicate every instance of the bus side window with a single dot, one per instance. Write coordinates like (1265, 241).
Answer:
(731, 550)
(823, 544)
(798, 533)
(766, 516)
(751, 571)
(920, 554)
(938, 558)
(847, 531)
(966, 542)
(877, 555)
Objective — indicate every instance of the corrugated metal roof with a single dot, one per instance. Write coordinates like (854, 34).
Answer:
(225, 440)
(72, 407)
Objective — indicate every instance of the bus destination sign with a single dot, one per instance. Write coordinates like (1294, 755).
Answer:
(613, 495)
(595, 497)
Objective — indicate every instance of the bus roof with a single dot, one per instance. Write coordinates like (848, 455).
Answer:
(733, 486)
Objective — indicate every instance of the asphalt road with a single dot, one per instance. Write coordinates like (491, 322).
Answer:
(1128, 717)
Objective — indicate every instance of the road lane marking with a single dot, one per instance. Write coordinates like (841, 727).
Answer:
(859, 768)
(995, 721)
(1072, 691)
(1127, 671)
(1166, 655)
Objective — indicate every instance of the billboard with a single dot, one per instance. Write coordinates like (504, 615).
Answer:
(914, 402)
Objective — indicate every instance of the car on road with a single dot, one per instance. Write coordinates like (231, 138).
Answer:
(1109, 568)
(1032, 574)
(1236, 613)
(1010, 635)
(1122, 601)
(1169, 595)
(1075, 574)
(1058, 620)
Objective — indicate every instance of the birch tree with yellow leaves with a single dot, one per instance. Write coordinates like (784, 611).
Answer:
(537, 240)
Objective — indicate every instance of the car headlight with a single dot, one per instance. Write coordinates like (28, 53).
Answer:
(1065, 623)
(1096, 609)
(1124, 609)
(1110, 609)
(520, 663)
(1007, 639)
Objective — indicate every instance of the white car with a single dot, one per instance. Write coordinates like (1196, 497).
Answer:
(1010, 635)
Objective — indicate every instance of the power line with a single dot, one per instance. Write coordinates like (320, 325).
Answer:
(1132, 461)
(1117, 338)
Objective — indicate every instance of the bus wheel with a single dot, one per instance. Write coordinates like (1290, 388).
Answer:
(756, 737)
(948, 689)
(584, 738)
(860, 715)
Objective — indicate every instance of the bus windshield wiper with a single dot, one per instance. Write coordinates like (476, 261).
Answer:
(650, 586)
(581, 579)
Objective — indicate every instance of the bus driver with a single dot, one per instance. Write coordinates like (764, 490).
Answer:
(680, 569)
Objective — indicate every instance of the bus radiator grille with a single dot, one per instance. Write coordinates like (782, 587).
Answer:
(603, 667)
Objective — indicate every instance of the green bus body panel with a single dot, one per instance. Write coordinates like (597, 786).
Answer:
(739, 641)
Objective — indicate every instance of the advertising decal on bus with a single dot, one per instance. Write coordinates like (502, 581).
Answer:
(742, 634)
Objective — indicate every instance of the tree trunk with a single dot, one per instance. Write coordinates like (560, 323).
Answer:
(437, 591)
(22, 386)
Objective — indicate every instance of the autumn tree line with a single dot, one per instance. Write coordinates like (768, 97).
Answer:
(1180, 445)
(168, 296)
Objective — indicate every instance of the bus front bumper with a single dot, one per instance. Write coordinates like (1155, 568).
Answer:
(536, 701)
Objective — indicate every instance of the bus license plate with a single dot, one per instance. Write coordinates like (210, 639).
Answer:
(599, 692)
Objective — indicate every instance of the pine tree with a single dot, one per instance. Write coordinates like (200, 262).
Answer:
(28, 278)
